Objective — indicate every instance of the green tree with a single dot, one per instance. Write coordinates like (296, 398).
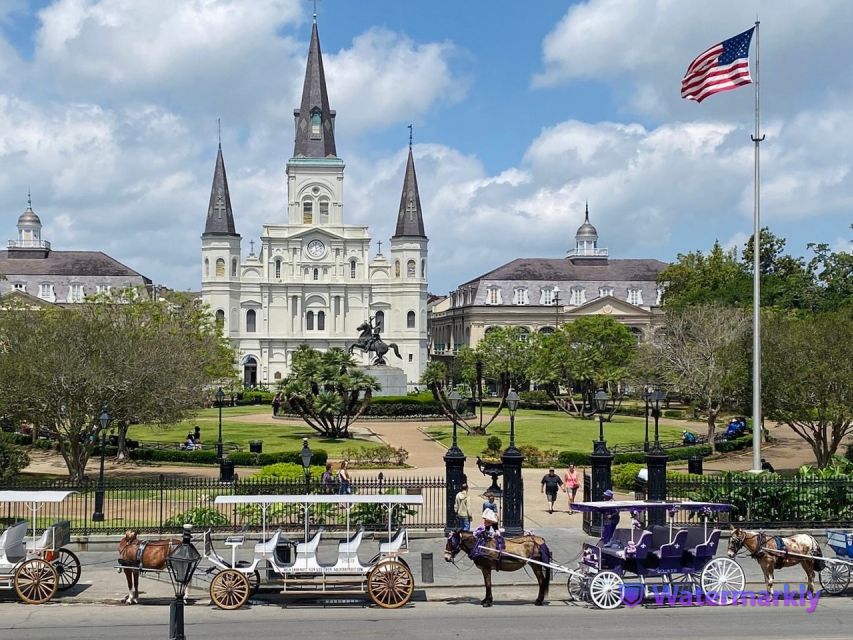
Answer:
(13, 459)
(834, 273)
(506, 354)
(807, 377)
(695, 278)
(591, 352)
(142, 361)
(328, 390)
(700, 356)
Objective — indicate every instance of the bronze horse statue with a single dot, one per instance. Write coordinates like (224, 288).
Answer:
(772, 552)
(136, 554)
(488, 557)
(370, 342)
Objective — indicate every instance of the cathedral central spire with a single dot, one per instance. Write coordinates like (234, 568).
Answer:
(315, 121)
(410, 219)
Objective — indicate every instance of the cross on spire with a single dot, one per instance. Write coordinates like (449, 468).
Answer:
(219, 130)
(315, 11)
(379, 250)
(29, 198)
(251, 247)
(410, 134)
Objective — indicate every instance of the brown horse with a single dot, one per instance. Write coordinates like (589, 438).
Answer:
(136, 554)
(772, 552)
(486, 555)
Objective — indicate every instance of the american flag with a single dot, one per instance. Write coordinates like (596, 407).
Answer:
(723, 67)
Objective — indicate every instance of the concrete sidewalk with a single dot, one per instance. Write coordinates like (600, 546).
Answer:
(101, 583)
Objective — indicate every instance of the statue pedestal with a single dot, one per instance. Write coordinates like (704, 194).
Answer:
(392, 379)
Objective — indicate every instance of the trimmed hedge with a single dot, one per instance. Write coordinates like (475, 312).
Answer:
(246, 459)
(675, 455)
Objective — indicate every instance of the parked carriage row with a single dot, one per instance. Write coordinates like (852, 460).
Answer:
(634, 564)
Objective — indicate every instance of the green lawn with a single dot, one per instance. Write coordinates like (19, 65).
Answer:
(276, 435)
(556, 430)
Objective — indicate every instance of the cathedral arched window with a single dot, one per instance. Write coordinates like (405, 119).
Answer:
(352, 269)
(397, 268)
(324, 211)
(316, 274)
(220, 317)
(423, 269)
(380, 321)
(309, 321)
(321, 321)
(307, 211)
(410, 320)
(206, 268)
(410, 269)
(220, 268)
(233, 267)
(278, 269)
(251, 321)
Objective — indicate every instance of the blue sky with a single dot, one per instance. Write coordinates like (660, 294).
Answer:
(522, 112)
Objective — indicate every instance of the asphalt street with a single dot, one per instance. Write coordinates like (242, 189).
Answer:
(450, 619)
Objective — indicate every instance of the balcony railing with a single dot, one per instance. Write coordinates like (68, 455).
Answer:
(29, 244)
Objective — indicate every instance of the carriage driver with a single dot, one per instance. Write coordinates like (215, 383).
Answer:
(490, 522)
(611, 521)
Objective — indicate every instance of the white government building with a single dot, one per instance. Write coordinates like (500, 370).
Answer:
(312, 281)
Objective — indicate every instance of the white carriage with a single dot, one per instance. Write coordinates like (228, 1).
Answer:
(36, 571)
(386, 578)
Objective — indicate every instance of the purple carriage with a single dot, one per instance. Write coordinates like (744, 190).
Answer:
(662, 559)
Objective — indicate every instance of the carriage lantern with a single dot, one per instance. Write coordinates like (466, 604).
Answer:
(601, 400)
(98, 515)
(453, 400)
(305, 456)
(181, 564)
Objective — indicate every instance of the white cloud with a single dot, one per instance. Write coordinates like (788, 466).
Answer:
(642, 48)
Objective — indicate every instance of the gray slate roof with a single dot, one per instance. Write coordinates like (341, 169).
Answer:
(563, 269)
(410, 220)
(66, 263)
(220, 218)
(314, 96)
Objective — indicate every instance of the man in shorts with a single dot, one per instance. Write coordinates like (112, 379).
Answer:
(551, 484)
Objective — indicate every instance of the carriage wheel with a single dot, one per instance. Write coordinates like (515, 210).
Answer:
(229, 589)
(67, 566)
(722, 581)
(36, 581)
(254, 578)
(606, 589)
(390, 584)
(578, 586)
(834, 577)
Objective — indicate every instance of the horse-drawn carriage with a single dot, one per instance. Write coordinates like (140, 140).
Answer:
(385, 578)
(835, 575)
(662, 559)
(38, 570)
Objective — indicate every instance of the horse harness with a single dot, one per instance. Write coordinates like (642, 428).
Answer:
(780, 553)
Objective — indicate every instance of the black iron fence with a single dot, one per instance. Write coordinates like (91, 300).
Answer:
(162, 505)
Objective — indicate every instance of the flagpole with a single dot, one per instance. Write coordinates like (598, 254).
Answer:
(756, 278)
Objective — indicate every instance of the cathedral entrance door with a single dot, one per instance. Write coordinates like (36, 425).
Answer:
(250, 372)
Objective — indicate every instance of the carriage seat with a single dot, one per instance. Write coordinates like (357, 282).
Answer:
(13, 547)
(705, 550)
(660, 536)
(310, 547)
(669, 554)
(56, 536)
(398, 541)
(269, 546)
(612, 557)
(352, 544)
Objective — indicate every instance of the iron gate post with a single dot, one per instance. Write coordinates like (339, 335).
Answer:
(601, 459)
(513, 493)
(656, 492)
(454, 470)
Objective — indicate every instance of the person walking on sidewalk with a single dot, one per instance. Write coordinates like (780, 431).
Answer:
(462, 507)
(551, 484)
(572, 482)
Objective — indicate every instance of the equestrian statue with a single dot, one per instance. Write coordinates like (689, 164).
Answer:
(369, 341)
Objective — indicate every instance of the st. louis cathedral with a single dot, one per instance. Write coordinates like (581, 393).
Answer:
(312, 280)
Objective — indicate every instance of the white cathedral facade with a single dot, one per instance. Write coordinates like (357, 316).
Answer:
(312, 280)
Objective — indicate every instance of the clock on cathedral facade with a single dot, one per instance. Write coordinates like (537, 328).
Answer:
(312, 281)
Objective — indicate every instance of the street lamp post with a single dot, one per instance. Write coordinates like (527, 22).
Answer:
(601, 458)
(512, 459)
(220, 397)
(305, 457)
(646, 403)
(181, 563)
(454, 465)
(98, 515)
(656, 460)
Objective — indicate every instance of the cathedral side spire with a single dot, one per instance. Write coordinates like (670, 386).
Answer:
(315, 121)
(220, 218)
(410, 220)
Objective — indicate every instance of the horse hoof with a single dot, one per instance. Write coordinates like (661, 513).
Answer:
(538, 603)
(486, 603)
